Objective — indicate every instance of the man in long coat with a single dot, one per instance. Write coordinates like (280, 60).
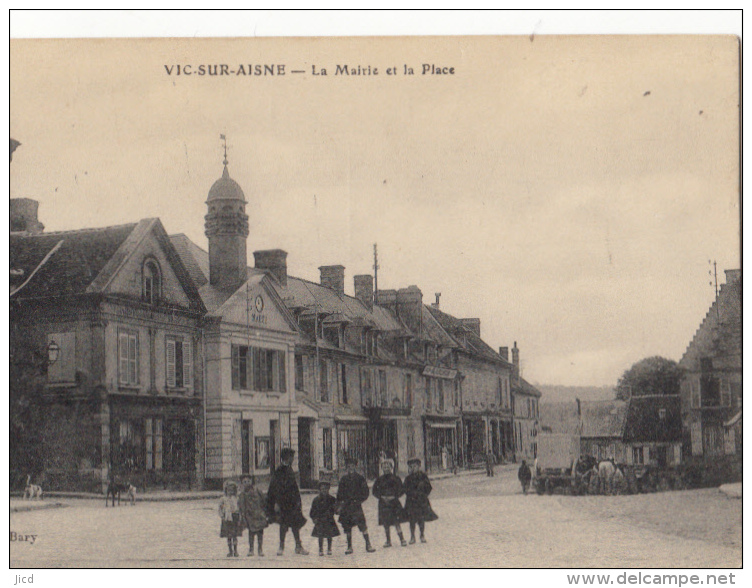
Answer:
(352, 492)
(524, 476)
(283, 504)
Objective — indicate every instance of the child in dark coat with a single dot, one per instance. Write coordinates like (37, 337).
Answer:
(322, 515)
(229, 512)
(352, 492)
(417, 487)
(388, 489)
(283, 504)
(252, 514)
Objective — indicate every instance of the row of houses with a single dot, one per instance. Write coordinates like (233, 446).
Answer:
(701, 427)
(148, 356)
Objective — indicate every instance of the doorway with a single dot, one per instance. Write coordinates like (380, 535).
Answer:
(305, 452)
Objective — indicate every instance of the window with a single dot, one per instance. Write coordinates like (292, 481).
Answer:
(440, 394)
(456, 393)
(366, 389)
(638, 456)
(324, 380)
(695, 392)
(255, 368)
(128, 358)
(343, 387)
(429, 394)
(154, 444)
(408, 390)
(178, 362)
(327, 439)
(178, 445)
(725, 386)
(152, 283)
(500, 393)
(299, 373)
(383, 391)
(662, 414)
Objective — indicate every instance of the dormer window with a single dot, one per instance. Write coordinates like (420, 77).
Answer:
(152, 282)
(662, 414)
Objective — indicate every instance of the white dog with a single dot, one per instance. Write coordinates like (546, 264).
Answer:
(32, 491)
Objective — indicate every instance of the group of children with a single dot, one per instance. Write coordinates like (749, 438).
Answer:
(250, 510)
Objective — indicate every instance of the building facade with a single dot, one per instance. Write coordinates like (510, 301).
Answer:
(123, 394)
(711, 389)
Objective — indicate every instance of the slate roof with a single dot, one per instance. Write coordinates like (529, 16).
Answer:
(69, 269)
(524, 387)
(603, 418)
(464, 337)
(84, 261)
(195, 259)
(643, 421)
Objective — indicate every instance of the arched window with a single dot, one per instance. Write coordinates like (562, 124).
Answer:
(152, 282)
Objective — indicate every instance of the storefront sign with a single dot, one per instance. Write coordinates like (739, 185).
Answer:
(439, 372)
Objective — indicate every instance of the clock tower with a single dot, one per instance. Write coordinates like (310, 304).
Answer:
(226, 227)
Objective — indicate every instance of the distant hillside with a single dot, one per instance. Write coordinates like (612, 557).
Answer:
(555, 393)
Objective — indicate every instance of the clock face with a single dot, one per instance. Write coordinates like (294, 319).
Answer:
(259, 302)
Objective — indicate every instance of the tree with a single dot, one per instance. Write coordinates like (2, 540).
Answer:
(652, 375)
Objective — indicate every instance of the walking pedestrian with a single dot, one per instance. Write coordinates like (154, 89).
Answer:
(490, 463)
(352, 492)
(417, 487)
(230, 515)
(252, 514)
(524, 476)
(388, 489)
(322, 515)
(283, 504)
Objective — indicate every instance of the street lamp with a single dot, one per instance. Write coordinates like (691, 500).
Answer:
(53, 352)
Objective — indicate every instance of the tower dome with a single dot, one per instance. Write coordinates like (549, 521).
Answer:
(225, 188)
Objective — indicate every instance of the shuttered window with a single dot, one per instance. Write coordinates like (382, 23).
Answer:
(128, 358)
(178, 361)
(262, 370)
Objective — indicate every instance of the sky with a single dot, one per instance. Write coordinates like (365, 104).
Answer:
(569, 192)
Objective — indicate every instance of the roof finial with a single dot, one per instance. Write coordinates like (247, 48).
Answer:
(224, 140)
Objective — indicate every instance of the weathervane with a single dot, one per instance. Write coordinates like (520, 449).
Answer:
(224, 142)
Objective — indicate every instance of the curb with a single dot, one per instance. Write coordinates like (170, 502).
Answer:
(40, 507)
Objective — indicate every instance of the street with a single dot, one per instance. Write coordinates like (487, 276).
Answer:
(484, 522)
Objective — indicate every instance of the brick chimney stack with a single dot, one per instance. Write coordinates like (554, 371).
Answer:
(410, 308)
(23, 216)
(364, 290)
(333, 276)
(516, 361)
(274, 261)
(387, 299)
(504, 352)
(473, 324)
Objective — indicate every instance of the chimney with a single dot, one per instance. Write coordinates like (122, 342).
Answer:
(473, 324)
(333, 276)
(516, 362)
(23, 216)
(387, 299)
(410, 308)
(436, 304)
(364, 290)
(504, 352)
(732, 275)
(274, 261)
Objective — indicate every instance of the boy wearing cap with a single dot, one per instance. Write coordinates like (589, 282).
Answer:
(351, 493)
(322, 515)
(283, 503)
(388, 489)
(417, 488)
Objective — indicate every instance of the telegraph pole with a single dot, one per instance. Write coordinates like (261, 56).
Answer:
(375, 272)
